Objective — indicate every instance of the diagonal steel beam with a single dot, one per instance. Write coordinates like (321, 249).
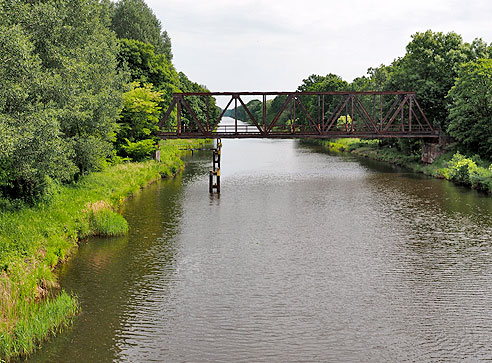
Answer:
(336, 113)
(400, 107)
(168, 112)
(308, 115)
(222, 114)
(277, 116)
(250, 114)
(360, 107)
(390, 111)
(423, 115)
(187, 106)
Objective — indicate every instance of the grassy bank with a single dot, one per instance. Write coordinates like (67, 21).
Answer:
(35, 239)
(464, 170)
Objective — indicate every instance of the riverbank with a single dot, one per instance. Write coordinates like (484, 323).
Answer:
(33, 240)
(464, 170)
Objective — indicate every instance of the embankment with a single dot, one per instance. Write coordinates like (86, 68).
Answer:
(33, 240)
(470, 171)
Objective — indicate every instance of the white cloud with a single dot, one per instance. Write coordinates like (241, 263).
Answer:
(273, 45)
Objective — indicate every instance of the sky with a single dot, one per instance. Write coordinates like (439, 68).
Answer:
(272, 45)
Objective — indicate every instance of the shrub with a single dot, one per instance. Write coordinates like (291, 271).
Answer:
(461, 169)
(140, 150)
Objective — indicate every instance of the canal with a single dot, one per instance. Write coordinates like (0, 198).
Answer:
(305, 256)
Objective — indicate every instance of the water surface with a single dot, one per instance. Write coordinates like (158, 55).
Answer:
(305, 256)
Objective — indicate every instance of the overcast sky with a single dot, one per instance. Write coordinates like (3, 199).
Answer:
(267, 45)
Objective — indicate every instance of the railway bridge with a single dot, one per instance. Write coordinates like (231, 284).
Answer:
(374, 115)
(302, 115)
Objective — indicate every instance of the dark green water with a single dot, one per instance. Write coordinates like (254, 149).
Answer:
(305, 257)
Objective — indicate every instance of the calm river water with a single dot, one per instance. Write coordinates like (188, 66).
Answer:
(305, 256)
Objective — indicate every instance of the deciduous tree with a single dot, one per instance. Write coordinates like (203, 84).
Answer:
(470, 108)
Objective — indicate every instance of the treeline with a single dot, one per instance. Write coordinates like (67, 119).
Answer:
(452, 78)
(82, 85)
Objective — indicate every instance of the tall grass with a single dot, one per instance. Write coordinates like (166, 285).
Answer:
(34, 239)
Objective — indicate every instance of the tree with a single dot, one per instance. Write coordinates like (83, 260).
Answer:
(139, 120)
(315, 83)
(60, 94)
(32, 151)
(82, 83)
(198, 104)
(429, 68)
(145, 66)
(470, 108)
(133, 19)
(140, 114)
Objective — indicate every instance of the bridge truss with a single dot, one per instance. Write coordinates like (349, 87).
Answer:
(301, 115)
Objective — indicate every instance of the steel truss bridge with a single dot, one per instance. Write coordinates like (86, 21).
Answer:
(373, 115)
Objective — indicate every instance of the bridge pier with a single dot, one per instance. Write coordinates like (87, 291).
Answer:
(432, 150)
(214, 175)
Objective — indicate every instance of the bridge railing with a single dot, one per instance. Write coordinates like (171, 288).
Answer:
(296, 115)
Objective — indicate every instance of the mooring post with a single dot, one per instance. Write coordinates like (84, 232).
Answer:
(214, 175)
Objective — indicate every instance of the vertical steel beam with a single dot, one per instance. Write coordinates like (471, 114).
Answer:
(410, 115)
(264, 112)
(235, 115)
(294, 118)
(208, 118)
(401, 117)
(374, 108)
(323, 114)
(352, 114)
(179, 115)
(381, 113)
(346, 115)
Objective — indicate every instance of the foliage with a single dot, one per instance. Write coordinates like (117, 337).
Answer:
(79, 53)
(198, 105)
(461, 169)
(470, 110)
(430, 66)
(32, 150)
(140, 150)
(60, 90)
(344, 123)
(140, 114)
(315, 83)
(133, 19)
(147, 67)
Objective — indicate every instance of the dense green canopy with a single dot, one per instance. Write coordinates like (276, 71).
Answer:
(82, 82)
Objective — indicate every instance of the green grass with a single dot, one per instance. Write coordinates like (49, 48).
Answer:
(37, 322)
(35, 239)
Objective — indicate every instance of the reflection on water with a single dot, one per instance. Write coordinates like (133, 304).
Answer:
(305, 257)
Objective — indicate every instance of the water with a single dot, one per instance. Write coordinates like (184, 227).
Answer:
(305, 256)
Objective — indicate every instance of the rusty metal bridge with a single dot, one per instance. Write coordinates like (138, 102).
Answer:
(373, 115)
